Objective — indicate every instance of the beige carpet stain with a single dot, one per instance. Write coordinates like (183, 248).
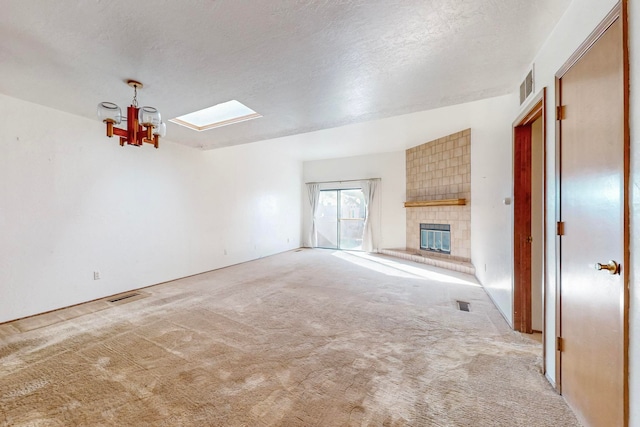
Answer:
(308, 338)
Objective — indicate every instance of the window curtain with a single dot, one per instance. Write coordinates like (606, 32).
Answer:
(369, 242)
(314, 197)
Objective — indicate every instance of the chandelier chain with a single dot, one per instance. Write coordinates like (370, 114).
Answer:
(135, 96)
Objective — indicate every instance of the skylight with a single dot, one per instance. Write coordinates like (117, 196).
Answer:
(224, 114)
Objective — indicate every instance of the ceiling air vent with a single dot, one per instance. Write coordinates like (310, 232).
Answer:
(526, 88)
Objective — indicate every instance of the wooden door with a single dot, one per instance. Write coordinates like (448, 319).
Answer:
(522, 228)
(592, 209)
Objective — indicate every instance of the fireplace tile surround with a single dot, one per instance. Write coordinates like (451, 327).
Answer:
(438, 170)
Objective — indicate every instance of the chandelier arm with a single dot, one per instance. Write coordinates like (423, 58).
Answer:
(109, 128)
(132, 125)
(120, 132)
(142, 135)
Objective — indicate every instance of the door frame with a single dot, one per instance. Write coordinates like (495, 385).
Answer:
(618, 12)
(338, 217)
(522, 214)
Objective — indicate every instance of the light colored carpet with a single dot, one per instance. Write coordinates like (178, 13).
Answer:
(306, 338)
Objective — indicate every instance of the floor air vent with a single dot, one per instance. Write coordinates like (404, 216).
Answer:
(463, 306)
(123, 297)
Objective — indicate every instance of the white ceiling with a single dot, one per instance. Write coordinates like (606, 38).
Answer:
(303, 64)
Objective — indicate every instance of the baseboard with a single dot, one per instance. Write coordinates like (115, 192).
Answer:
(551, 381)
(495, 305)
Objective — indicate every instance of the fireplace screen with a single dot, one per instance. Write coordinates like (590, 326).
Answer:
(436, 238)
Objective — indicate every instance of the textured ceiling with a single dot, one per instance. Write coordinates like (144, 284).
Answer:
(304, 65)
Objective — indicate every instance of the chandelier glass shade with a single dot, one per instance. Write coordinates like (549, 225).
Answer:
(108, 111)
(144, 124)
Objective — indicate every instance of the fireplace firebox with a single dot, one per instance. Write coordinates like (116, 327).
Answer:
(435, 238)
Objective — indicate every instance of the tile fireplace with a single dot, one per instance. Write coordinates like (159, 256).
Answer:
(438, 197)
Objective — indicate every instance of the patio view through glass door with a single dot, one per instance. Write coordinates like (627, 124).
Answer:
(340, 219)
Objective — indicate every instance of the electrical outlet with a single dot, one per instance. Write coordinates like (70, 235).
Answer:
(96, 275)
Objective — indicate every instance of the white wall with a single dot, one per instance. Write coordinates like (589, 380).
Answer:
(580, 19)
(491, 219)
(73, 201)
(390, 167)
(395, 133)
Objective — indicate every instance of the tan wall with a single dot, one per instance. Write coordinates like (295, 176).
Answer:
(437, 170)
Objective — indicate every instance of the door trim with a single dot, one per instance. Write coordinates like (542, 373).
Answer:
(522, 289)
(618, 12)
(339, 219)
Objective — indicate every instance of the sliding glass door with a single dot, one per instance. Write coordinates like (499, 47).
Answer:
(340, 219)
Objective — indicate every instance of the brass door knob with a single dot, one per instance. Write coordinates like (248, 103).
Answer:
(611, 266)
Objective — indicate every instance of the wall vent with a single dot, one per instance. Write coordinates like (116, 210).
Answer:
(463, 306)
(526, 88)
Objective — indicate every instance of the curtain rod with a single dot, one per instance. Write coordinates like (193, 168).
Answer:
(344, 180)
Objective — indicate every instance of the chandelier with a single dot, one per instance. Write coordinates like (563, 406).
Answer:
(143, 124)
